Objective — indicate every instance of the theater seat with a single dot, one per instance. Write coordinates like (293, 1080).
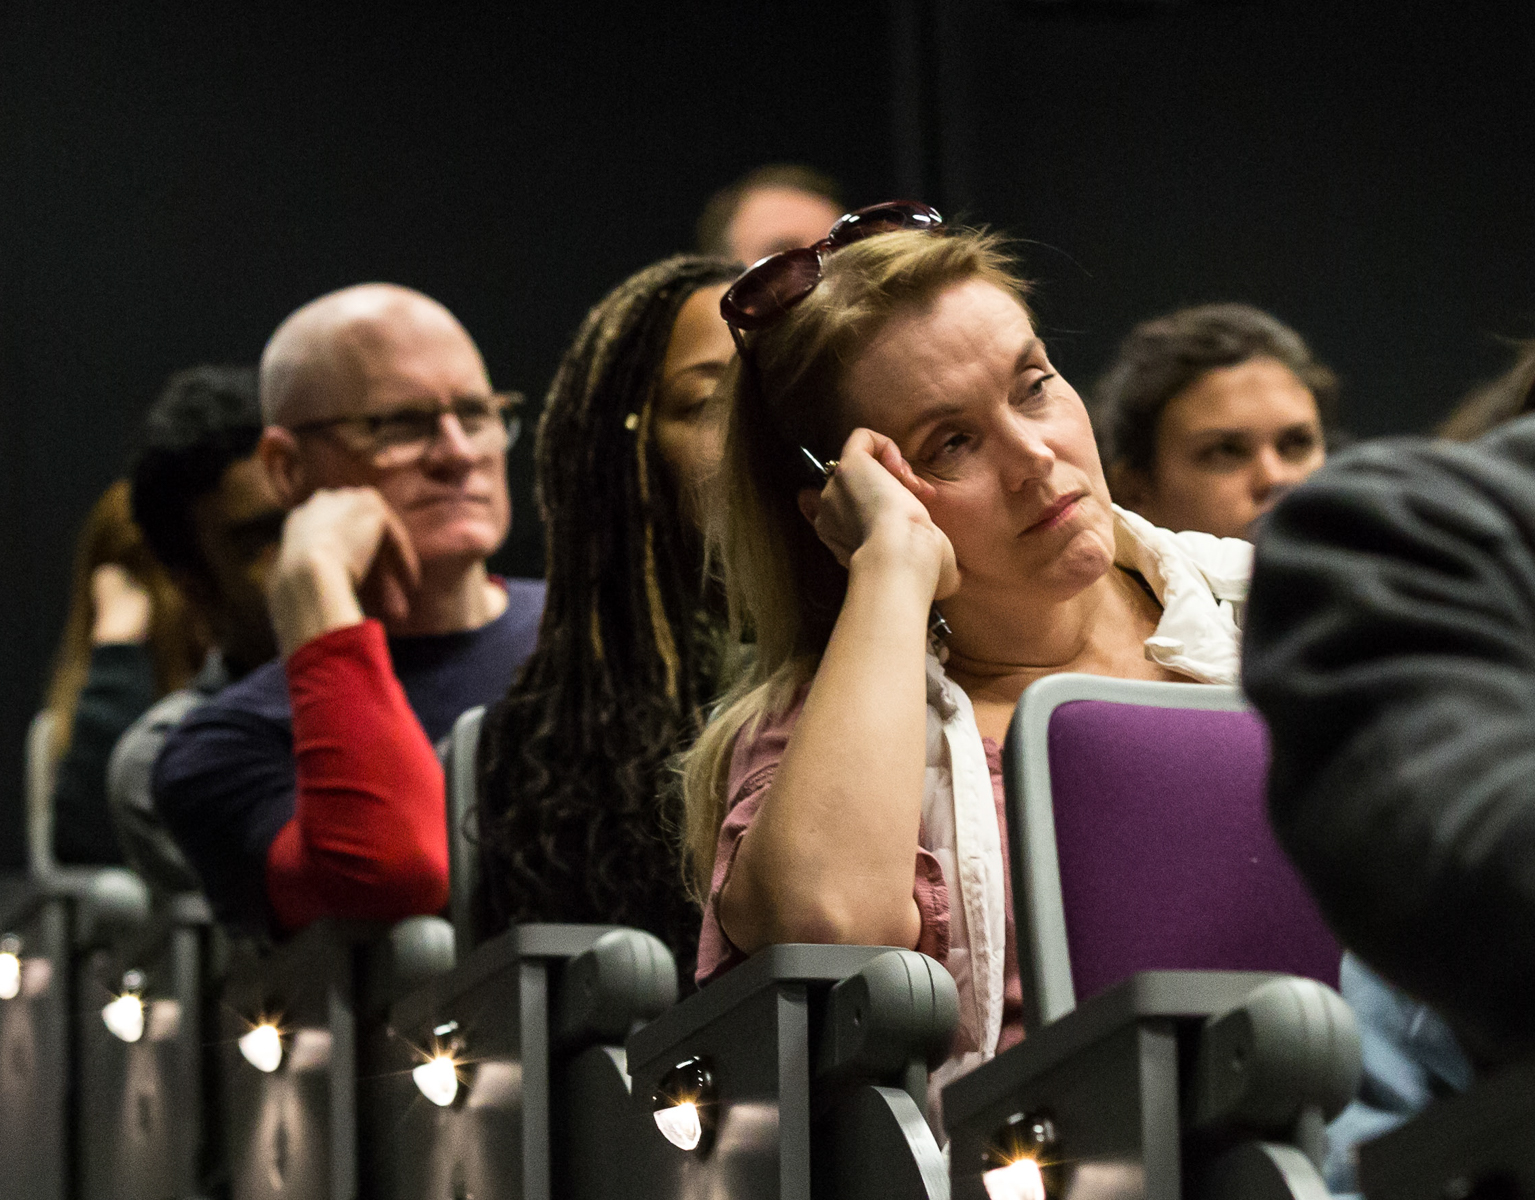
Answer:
(48, 926)
(806, 1069)
(1140, 844)
(1141, 841)
(140, 1033)
(506, 1077)
(293, 1022)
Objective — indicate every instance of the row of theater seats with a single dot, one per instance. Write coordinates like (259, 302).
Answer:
(141, 1056)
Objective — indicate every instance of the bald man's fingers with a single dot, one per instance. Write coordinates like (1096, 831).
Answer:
(395, 572)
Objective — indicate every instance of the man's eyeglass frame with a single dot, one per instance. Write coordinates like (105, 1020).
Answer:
(504, 406)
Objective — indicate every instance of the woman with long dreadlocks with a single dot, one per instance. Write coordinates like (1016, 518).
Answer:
(577, 820)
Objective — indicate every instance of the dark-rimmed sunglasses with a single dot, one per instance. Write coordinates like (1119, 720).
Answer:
(771, 287)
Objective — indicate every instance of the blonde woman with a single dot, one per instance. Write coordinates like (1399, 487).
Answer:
(850, 791)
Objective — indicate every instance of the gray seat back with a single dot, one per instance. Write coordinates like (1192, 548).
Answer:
(40, 773)
(460, 767)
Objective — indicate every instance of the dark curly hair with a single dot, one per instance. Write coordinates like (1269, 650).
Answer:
(579, 817)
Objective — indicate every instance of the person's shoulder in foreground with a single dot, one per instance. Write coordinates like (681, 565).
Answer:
(1391, 647)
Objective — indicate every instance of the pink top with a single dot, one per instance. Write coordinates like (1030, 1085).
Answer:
(752, 766)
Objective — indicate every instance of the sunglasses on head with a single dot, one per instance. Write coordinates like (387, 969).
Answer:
(770, 288)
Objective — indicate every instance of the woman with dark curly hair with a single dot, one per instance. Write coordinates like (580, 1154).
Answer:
(577, 818)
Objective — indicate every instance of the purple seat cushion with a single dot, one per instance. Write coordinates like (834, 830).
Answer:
(1167, 858)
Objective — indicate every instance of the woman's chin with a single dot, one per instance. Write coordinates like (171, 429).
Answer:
(1082, 562)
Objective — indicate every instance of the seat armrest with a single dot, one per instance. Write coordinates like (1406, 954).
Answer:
(624, 978)
(897, 1012)
(767, 969)
(1292, 1044)
(1172, 995)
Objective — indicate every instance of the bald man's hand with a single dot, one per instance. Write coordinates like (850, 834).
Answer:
(344, 555)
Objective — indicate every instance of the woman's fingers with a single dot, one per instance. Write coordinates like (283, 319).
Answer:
(890, 457)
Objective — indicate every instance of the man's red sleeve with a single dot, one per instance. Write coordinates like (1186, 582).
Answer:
(369, 838)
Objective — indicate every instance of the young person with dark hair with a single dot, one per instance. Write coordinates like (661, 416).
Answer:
(578, 817)
(1210, 414)
(311, 788)
(210, 515)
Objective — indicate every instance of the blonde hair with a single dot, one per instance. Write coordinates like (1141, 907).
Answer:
(175, 640)
(784, 587)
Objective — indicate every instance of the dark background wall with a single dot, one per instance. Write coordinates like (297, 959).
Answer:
(177, 178)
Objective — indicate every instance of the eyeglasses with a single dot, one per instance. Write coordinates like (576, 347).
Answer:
(771, 287)
(398, 436)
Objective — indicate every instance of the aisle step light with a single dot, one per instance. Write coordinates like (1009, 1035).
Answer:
(262, 1046)
(684, 1105)
(10, 967)
(437, 1077)
(1023, 1161)
(124, 1013)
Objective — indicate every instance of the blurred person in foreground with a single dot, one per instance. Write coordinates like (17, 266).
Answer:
(772, 208)
(311, 787)
(1210, 414)
(1391, 647)
(578, 812)
(849, 788)
(127, 640)
(213, 519)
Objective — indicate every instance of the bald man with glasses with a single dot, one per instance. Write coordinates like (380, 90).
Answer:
(310, 788)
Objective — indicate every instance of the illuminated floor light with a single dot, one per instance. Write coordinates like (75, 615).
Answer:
(124, 1016)
(262, 1047)
(684, 1105)
(437, 1080)
(680, 1125)
(10, 975)
(1021, 1180)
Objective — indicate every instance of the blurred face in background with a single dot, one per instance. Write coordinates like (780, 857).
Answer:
(770, 219)
(686, 423)
(1228, 447)
(238, 526)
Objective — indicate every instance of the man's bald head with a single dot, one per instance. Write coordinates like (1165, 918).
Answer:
(326, 357)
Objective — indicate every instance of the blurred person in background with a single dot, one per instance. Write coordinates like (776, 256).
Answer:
(1209, 415)
(311, 788)
(1510, 395)
(128, 638)
(212, 517)
(776, 207)
(578, 813)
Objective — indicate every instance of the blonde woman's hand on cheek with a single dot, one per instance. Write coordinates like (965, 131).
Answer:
(873, 507)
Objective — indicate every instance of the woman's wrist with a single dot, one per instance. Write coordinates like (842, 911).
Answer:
(900, 552)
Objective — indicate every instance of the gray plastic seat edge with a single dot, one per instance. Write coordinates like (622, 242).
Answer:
(463, 859)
